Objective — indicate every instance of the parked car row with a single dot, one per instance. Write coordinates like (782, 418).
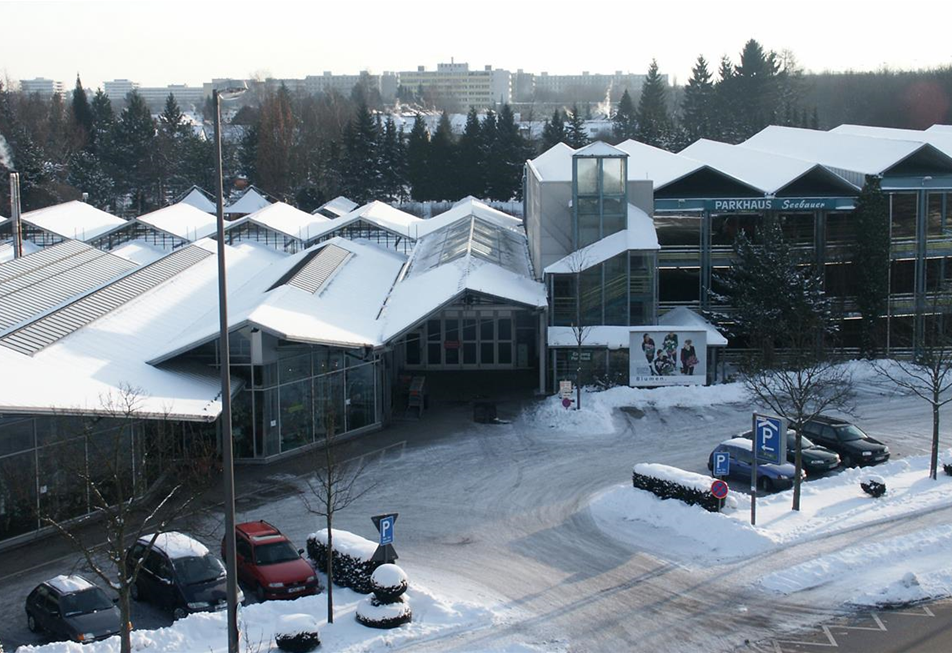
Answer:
(832, 442)
(178, 574)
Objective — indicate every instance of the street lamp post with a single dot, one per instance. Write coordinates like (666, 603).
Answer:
(228, 460)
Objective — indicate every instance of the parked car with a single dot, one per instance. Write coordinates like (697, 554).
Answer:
(815, 460)
(70, 607)
(270, 565)
(179, 574)
(848, 440)
(770, 477)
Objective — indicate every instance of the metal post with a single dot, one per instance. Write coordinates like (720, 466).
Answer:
(228, 463)
(753, 472)
(15, 214)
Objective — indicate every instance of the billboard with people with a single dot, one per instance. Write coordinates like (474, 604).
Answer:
(667, 356)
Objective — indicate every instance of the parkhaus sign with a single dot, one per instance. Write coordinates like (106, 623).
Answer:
(773, 204)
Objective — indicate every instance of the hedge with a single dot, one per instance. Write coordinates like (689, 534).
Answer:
(351, 569)
(660, 481)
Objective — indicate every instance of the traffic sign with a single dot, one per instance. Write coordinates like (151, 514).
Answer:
(722, 463)
(386, 530)
(770, 439)
(719, 489)
(385, 552)
(566, 403)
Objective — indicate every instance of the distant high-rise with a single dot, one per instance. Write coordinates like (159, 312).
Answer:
(41, 85)
(456, 86)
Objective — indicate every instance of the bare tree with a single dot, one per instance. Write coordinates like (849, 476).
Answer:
(577, 263)
(929, 374)
(333, 487)
(119, 495)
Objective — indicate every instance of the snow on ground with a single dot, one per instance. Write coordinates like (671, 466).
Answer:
(828, 505)
(596, 415)
(433, 616)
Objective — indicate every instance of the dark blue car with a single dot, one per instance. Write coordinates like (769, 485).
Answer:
(770, 478)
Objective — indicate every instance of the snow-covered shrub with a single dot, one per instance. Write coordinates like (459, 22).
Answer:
(947, 466)
(672, 483)
(873, 485)
(352, 554)
(375, 613)
(297, 633)
(388, 583)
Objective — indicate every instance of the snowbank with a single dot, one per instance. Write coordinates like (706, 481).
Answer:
(693, 480)
(347, 543)
(596, 415)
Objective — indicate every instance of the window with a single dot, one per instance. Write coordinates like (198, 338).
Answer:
(904, 213)
(243, 548)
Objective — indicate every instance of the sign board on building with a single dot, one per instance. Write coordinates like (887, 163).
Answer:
(757, 204)
(667, 356)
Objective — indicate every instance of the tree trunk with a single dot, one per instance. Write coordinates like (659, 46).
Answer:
(330, 570)
(125, 639)
(797, 467)
(934, 462)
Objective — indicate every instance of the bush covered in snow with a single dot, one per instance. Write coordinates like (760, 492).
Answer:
(672, 483)
(375, 613)
(947, 466)
(873, 485)
(352, 553)
(297, 633)
(388, 583)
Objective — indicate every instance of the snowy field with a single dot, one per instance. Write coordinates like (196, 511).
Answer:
(911, 567)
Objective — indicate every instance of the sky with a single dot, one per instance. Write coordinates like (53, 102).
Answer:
(171, 42)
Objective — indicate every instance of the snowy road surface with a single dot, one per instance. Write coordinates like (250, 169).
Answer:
(499, 513)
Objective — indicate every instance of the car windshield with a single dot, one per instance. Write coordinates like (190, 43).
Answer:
(270, 554)
(850, 433)
(198, 569)
(805, 442)
(84, 602)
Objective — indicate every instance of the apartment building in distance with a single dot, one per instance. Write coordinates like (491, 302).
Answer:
(41, 85)
(455, 83)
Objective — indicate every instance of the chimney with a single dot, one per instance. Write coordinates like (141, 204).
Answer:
(15, 214)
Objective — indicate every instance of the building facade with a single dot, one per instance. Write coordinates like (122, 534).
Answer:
(456, 85)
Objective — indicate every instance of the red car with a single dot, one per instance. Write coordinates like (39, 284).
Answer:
(270, 565)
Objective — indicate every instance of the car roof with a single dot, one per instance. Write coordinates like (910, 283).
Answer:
(259, 530)
(176, 545)
(737, 443)
(71, 584)
(832, 421)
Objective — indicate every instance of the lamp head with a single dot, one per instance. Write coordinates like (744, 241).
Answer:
(230, 89)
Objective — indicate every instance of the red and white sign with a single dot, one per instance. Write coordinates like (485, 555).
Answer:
(719, 489)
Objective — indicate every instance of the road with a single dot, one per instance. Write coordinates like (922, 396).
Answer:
(499, 512)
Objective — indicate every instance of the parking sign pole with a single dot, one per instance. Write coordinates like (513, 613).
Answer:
(753, 473)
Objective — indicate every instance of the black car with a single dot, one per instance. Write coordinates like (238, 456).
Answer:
(179, 574)
(70, 607)
(815, 460)
(848, 440)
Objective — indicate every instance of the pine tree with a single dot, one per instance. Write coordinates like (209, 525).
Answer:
(756, 89)
(103, 121)
(698, 117)
(171, 144)
(87, 175)
(871, 263)
(418, 154)
(361, 167)
(133, 157)
(392, 164)
(553, 132)
(276, 131)
(469, 158)
(82, 114)
(725, 103)
(508, 153)
(576, 135)
(442, 162)
(654, 125)
(625, 120)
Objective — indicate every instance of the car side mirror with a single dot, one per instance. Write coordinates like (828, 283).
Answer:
(300, 552)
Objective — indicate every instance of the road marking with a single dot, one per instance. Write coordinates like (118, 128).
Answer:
(926, 612)
(831, 640)
(830, 643)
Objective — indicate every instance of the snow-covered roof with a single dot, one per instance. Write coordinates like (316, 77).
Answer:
(599, 148)
(78, 367)
(176, 545)
(375, 213)
(768, 173)
(6, 250)
(848, 155)
(640, 235)
(462, 210)
(182, 220)
(287, 220)
(941, 140)
(619, 337)
(337, 207)
(249, 202)
(139, 251)
(682, 316)
(555, 164)
(200, 200)
(942, 129)
(660, 166)
(69, 584)
(75, 219)
(341, 310)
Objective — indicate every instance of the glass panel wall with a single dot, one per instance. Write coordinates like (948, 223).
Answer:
(617, 292)
(601, 199)
(904, 208)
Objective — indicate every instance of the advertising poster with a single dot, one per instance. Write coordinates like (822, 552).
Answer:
(667, 356)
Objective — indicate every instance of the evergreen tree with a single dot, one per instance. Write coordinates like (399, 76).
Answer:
(471, 173)
(508, 153)
(725, 104)
(103, 121)
(82, 114)
(87, 175)
(442, 162)
(361, 168)
(418, 154)
(871, 263)
(576, 135)
(171, 144)
(553, 132)
(698, 113)
(132, 160)
(276, 131)
(625, 120)
(654, 126)
(756, 89)
(392, 163)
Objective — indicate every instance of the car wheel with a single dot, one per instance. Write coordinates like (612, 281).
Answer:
(847, 461)
(765, 484)
(31, 623)
(259, 593)
(179, 613)
(134, 592)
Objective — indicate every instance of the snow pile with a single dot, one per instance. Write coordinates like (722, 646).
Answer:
(596, 415)
(829, 505)
(911, 588)
(347, 543)
(69, 584)
(177, 545)
(432, 616)
(698, 482)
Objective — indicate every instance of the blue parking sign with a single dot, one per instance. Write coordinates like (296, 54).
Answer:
(386, 530)
(722, 463)
(770, 439)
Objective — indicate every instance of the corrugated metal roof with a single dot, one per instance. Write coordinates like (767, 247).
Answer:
(35, 291)
(315, 273)
(44, 257)
(44, 331)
